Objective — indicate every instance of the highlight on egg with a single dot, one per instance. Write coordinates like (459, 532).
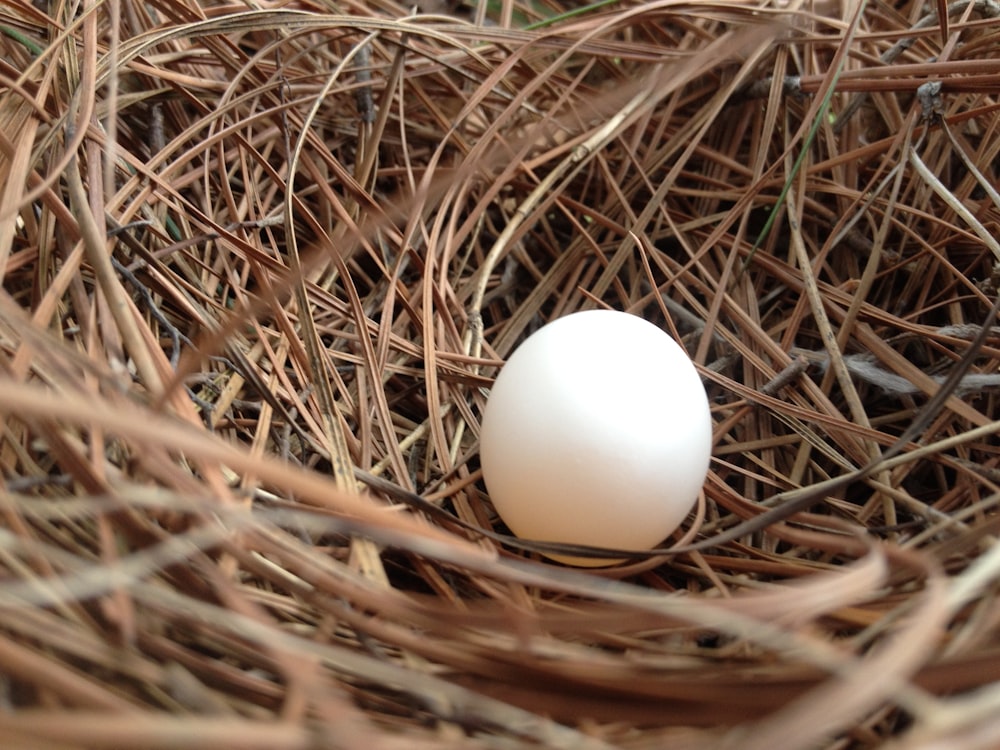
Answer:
(596, 432)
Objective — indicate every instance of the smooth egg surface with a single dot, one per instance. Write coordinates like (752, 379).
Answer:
(598, 432)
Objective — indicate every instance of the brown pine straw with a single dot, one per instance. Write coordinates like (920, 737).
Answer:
(262, 261)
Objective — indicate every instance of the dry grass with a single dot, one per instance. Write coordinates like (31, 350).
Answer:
(261, 261)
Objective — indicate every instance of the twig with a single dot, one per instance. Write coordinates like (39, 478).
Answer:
(986, 8)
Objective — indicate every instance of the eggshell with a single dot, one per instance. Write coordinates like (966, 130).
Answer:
(597, 431)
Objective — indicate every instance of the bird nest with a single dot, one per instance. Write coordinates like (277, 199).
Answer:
(261, 262)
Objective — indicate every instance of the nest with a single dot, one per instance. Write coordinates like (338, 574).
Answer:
(261, 262)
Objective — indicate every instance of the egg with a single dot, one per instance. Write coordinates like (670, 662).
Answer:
(598, 432)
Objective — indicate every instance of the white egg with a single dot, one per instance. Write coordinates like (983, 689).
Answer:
(597, 432)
